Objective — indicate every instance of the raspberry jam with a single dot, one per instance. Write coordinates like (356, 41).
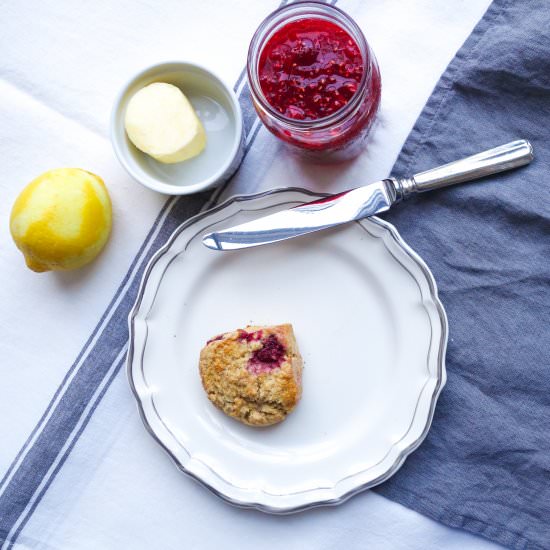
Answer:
(269, 357)
(310, 68)
(250, 336)
(314, 80)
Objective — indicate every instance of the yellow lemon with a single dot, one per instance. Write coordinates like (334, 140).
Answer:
(62, 219)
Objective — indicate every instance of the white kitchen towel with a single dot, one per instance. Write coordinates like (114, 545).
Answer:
(79, 470)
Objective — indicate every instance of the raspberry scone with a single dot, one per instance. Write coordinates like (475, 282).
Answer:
(253, 375)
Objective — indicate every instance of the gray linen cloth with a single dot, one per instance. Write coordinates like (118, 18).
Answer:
(485, 465)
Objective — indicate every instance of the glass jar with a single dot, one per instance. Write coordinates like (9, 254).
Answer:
(341, 134)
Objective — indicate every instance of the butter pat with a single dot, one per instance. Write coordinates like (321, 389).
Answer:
(161, 122)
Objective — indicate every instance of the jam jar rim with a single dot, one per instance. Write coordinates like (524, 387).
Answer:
(275, 21)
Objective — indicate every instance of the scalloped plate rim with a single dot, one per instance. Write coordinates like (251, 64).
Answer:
(332, 497)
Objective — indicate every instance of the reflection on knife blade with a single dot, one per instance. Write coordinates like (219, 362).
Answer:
(306, 218)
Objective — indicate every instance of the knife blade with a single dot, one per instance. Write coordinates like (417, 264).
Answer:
(306, 218)
(365, 201)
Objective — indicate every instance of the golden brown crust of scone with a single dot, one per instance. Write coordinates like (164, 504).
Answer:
(257, 397)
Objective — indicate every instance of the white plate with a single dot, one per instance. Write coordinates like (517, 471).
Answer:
(371, 330)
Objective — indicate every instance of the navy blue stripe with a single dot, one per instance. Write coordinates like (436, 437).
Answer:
(249, 113)
(68, 412)
(86, 345)
(255, 132)
(239, 80)
(68, 451)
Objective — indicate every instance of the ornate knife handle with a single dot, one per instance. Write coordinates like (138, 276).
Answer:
(512, 155)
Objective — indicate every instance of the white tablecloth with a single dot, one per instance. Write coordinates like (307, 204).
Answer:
(62, 63)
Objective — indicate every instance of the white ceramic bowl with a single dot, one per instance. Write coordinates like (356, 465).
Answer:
(219, 110)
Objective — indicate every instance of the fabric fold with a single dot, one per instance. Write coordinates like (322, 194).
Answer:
(485, 465)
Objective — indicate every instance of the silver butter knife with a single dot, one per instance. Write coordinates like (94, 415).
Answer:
(368, 200)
